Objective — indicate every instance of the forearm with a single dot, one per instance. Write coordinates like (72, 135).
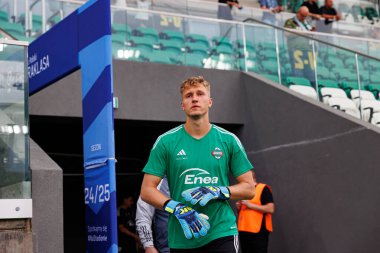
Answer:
(268, 208)
(244, 189)
(149, 192)
(327, 16)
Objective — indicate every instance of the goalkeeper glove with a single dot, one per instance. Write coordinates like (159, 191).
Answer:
(206, 193)
(192, 223)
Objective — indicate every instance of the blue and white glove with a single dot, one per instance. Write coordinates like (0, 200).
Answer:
(192, 223)
(206, 193)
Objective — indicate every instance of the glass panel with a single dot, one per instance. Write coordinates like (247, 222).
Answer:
(141, 35)
(14, 133)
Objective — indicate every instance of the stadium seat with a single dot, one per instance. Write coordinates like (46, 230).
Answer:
(123, 29)
(324, 73)
(267, 46)
(272, 78)
(348, 86)
(119, 38)
(250, 54)
(249, 45)
(251, 65)
(297, 80)
(360, 95)
(327, 93)
(372, 14)
(368, 108)
(333, 63)
(197, 47)
(173, 35)
(219, 41)
(374, 88)
(327, 83)
(170, 45)
(14, 29)
(4, 17)
(142, 42)
(269, 67)
(198, 38)
(346, 75)
(146, 32)
(344, 104)
(305, 90)
(217, 62)
(267, 55)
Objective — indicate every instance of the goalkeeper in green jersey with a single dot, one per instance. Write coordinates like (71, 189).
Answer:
(197, 158)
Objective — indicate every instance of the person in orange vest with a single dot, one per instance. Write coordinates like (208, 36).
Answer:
(255, 219)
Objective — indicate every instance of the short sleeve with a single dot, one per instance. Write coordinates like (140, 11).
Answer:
(157, 162)
(239, 162)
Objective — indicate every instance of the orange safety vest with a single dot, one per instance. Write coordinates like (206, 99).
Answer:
(250, 220)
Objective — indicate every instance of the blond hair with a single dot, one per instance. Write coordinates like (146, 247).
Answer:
(195, 81)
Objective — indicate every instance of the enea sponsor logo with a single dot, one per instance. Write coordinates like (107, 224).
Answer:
(217, 153)
(198, 176)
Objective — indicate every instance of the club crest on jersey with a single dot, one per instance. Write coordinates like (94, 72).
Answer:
(217, 153)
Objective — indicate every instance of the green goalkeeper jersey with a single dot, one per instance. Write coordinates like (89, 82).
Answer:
(188, 162)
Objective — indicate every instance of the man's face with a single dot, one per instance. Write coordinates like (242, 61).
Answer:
(329, 3)
(196, 101)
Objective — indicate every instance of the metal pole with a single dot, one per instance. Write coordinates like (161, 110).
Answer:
(315, 67)
(43, 3)
(359, 85)
(245, 50)
(278, 56)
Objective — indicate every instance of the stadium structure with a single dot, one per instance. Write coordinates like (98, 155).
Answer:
(304, 104)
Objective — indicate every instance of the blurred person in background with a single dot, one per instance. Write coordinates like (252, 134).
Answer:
(271, 7)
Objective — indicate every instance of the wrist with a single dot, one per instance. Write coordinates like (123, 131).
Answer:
(170, 205)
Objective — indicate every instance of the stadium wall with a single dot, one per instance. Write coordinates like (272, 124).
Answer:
(321, 163)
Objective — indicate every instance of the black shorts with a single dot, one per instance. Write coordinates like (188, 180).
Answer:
(228, 244)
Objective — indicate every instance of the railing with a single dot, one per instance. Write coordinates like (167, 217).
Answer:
(15, 187)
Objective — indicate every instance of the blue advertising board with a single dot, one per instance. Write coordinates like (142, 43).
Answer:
(83, 40)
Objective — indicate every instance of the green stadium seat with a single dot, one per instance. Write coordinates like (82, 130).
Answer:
(297, 80)
(249, 45)
(14, 29)
(371, 13)
(224, 49)
(4, 17)
(251, 54)
(267, 46)
(197, 47)
(268, 55)
(123, 29)
(346, 75)
(332, 62)
(328, 83)
(347, 86)
(147, 32)
(273, 78)
(142, 42)
(173, 35)
(219, 41)
(219, 62)
(324, 73)
(119, 38)
(374, 88)
(170, 45)
(198, 38)
(251, 65)
(269, 67)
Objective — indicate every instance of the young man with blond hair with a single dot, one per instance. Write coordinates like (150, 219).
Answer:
(197, 158)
